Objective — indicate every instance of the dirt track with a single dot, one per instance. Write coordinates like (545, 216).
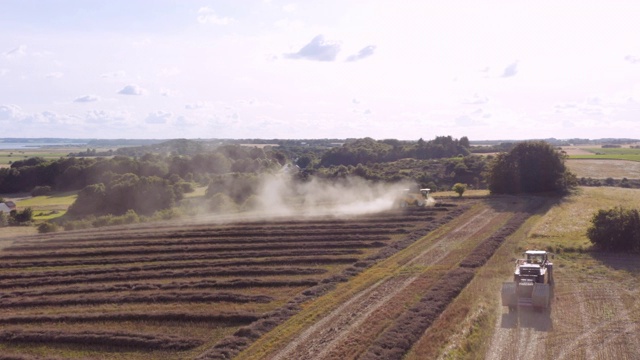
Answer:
(591, 317)
(336, 334)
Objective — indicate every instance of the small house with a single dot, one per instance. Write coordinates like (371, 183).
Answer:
(7, 206)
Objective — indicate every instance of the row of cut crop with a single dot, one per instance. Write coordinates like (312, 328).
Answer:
(115, 339)
(204, 241)
(242, 271)
(231, 345)
(177, 266)
(175, 257)
(165, 297)
(235, 318)
(184, 249)
(175, 285)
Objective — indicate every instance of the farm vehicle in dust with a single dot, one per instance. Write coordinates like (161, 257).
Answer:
(413, 197)
(532, 281)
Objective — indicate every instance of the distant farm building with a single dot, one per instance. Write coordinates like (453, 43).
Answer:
(7, 206)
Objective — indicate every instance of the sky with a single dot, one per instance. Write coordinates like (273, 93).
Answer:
(164, 69)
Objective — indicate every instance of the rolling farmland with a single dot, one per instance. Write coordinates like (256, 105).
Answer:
(183, 291)
(414, 283)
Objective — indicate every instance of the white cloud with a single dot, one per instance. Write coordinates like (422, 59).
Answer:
(132, 90)
(197, 105)
(632, 59)
(363, 53)
(289, 25)
(54, 75)
(166, 92)
(114, 75)
(4, 72)
(86, 99)
(106, 119)
(10, 112)
(51, 118)
(16, 52)
(476, 100)
(158, 117)
(182, 121)
(510, 70)
(317, 49)
(170, 71)
(207, 15)
(289, 8)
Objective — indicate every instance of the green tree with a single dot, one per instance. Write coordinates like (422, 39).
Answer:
(616, 229)
(21, 217)
(530, 167)
(459, 188)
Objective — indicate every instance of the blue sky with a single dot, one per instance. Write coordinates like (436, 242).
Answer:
(319, 69)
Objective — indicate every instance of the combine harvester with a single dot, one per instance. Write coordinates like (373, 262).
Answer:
(532, 281)
(410, 197)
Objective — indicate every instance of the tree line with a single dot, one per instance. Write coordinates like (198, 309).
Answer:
(149, 181)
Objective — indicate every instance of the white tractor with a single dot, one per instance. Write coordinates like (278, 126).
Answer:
(532, 281)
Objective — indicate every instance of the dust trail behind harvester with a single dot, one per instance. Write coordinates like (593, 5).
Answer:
(280, 195)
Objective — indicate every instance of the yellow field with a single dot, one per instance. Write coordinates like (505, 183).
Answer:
(602, 169)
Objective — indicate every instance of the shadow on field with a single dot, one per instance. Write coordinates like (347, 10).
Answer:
(619, 261)
(531, 204)
(527, 318)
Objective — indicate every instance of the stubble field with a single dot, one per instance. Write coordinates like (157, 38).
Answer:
(414, 284)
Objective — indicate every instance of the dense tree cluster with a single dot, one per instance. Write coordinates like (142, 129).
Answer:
(530, 167)
(76, 173)
(144, 195)
(616, 229)
(367, 150)
(154, 176)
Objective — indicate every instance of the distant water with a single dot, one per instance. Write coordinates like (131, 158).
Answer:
(23, 146)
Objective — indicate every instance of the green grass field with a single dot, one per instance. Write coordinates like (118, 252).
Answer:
(565, 225)
(612, 153)
(7, 157)
(45, 208)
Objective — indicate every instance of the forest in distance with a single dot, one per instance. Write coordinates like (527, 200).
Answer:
(152, 177)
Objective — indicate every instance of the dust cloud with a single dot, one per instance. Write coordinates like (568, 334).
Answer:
(281, 195)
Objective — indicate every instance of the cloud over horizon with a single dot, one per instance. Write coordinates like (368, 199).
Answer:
(207, 15)
(510, 70)
(16, 52)
(132, 90)
(318, 49)
(86, 99)
(363, 53)
(158, 117)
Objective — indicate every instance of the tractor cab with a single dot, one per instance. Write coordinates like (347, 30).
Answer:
(533, 266)
(536, 256)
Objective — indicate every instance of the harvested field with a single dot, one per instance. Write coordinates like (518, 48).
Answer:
(382, 313)
(214, 288)
(602, 169)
